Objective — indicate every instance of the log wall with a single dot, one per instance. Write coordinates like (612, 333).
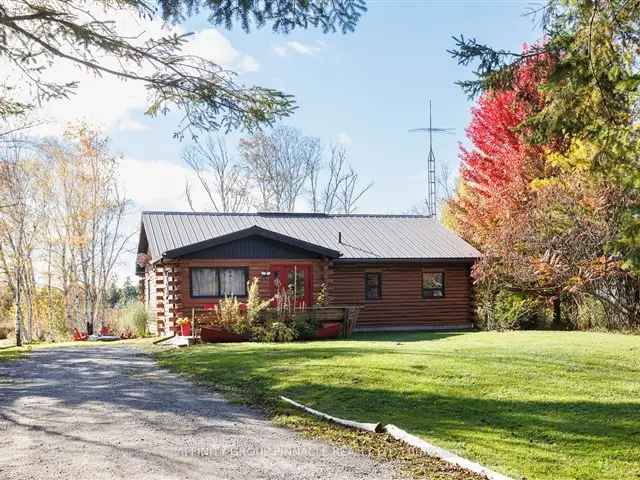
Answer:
(402, 303)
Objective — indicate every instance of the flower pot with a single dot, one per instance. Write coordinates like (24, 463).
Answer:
(185, 329)
(213, 334)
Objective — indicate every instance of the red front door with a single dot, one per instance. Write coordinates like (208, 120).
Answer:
(296, 280)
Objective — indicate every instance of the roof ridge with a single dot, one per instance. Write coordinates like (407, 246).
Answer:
(287, 214)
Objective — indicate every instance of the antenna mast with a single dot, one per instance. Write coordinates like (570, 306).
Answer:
(431, 200)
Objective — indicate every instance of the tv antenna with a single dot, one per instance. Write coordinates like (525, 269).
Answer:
(431, 162)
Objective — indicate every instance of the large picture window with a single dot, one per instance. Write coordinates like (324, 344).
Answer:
(372, 286)
(218, 282)
(432, 284)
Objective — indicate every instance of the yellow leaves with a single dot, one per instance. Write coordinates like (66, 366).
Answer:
(579, 156)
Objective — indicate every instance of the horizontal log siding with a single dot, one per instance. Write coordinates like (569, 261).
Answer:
(255, 269)
(402, 303)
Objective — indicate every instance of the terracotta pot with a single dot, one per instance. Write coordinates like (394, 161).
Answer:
(213, 334)
(185, 329)
(329, 330)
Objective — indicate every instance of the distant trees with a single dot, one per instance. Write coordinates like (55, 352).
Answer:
(277, 171)
(335, 186)
(279, 164)
(223, 179)
(62, 231)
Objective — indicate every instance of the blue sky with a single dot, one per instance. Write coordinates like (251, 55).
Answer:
(369, 86)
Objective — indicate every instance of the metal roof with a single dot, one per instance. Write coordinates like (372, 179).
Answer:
(364, 237)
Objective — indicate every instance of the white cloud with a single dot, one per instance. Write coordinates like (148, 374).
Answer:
(344, 139)
(156, 185)
(107, 101)
(295, 47)
(213, 45)
(130, 125)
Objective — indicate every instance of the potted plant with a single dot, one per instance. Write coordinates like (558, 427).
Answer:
(185, 326)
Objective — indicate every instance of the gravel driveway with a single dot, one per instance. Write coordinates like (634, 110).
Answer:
(109, 412)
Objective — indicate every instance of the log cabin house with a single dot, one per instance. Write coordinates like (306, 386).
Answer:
(404, 271)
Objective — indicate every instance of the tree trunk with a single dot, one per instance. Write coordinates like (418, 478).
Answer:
(557, 313)
(18, 320)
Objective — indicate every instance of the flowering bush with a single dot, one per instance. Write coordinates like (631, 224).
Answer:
(276, 319)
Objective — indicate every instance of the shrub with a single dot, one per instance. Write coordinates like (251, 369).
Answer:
(509, 311)
(274, 331)
(257, 319)
(305, 325)
(132, 321)
(230, 317)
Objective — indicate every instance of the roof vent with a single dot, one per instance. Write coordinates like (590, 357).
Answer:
(340, 237)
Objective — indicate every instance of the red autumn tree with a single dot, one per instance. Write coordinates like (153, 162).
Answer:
(538, 213)
(496, 172)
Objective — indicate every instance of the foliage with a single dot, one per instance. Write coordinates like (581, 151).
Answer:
(34, 37)
(321, 298)
(286, 15)
(543, 405)
(275, 319)
(256, 305)
(305, 324)
(132, 321)
(122, 296)
(542, 216)
(509, 311)
(591, 98)
(229, 316)
(273, 330)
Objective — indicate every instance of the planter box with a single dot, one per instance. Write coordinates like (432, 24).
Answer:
(211, 334)
(329, 330)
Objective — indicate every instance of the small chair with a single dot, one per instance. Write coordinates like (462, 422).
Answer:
(79, 336)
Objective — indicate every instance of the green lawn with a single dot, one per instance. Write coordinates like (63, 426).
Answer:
(541, 405)
(13, 353)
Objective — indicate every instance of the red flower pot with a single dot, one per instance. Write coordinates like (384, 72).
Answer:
(185, 329)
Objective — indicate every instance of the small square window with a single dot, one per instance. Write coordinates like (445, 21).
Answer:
(372, 286)
(432, 284)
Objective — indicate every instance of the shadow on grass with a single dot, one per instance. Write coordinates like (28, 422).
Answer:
(403, 336)
(530, 436)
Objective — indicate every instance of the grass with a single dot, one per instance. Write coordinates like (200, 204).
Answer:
(13, 353)
(540, 405)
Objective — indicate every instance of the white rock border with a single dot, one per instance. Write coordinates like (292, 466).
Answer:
(412, 440)
(369, 427)
(442, 454)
